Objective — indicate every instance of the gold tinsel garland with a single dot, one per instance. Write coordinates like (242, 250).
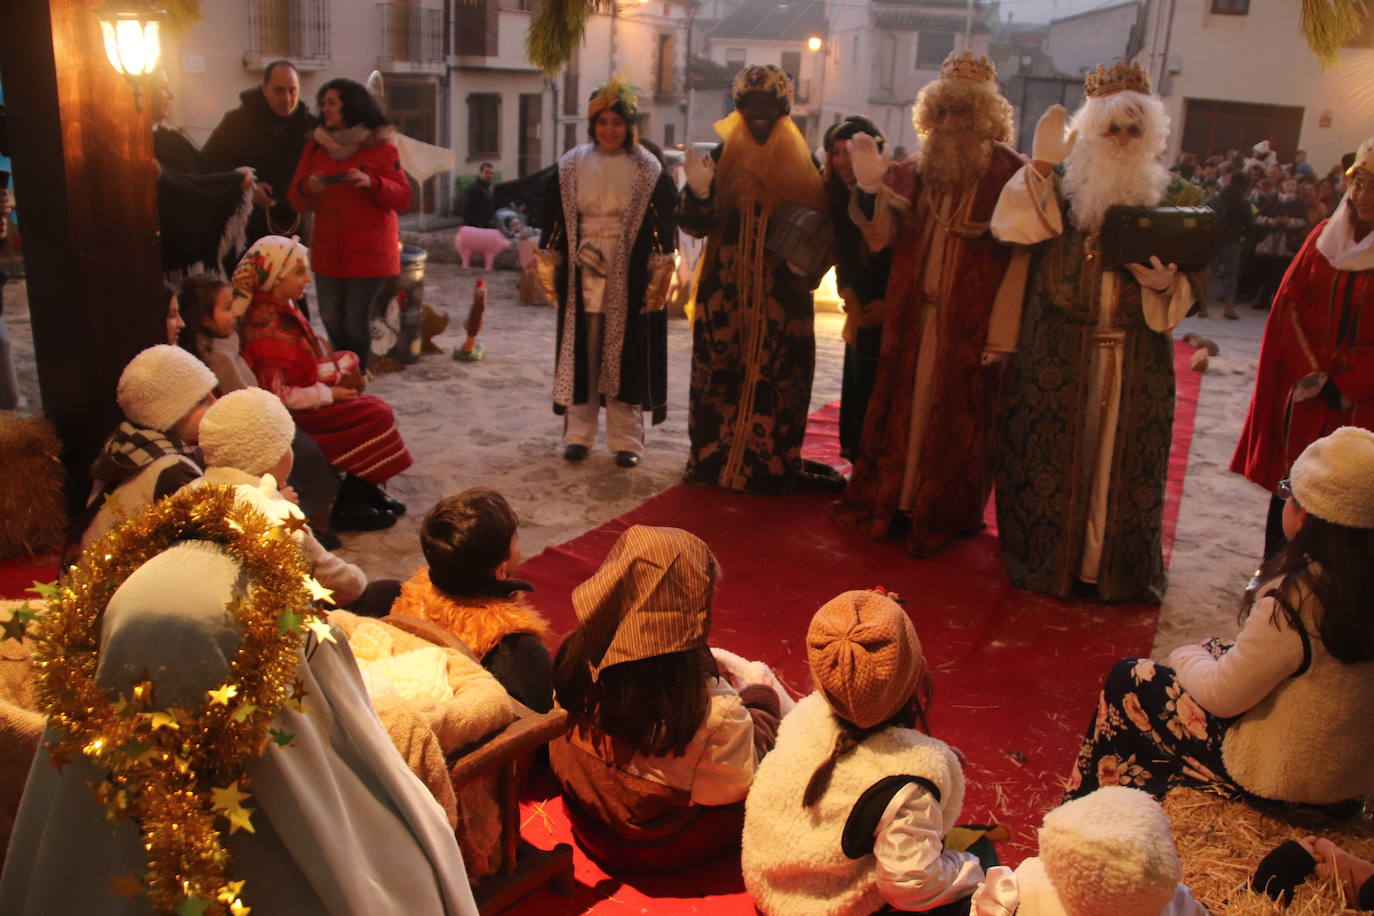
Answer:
(1329, 24)
(175, 771)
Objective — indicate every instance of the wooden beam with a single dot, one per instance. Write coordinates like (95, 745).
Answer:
(85, 187)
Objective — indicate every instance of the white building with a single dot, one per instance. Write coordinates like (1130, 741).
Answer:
(1233, 72)
(879, 53)
(455, 72)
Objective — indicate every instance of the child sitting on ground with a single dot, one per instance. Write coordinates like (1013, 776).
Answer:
(662, 746)
(471, 544)
(163, 391)
(246, 440)
(209, 330)
(1109, 853)
(1284, 713)
(850, 810)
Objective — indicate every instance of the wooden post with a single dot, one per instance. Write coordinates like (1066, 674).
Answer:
(85, 189)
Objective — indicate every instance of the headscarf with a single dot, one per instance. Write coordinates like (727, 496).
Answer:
(617, 95)
(262, 266)
(764, 78)
(651, 596)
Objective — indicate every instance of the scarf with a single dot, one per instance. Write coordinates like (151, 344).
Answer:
(262, 266)
(1337, 242)
(781, 170)
(130, 448)
(344, 143)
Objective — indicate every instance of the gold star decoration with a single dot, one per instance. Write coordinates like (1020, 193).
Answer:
(280, 737)
(232, 891)
(192, 906)
(228, 797)
(237, 908)
(223, 695)
(126, 886)
(322, 630)
(143, 691)
(317, 591)
(292, 524)
(296, 694)
(162, 719)
(243, 712)
(45, 590)
(15, 628)
(239, 818)
(287, 621)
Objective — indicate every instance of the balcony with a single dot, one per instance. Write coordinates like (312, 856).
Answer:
(412, 38)
(295, 30)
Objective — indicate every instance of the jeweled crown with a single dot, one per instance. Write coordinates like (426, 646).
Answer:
(964, 65)
(1121, 77)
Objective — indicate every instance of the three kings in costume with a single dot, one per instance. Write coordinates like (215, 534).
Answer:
(1089, 418)
(953, 307)
(753, 341)
(613, 231)
(1316, 364)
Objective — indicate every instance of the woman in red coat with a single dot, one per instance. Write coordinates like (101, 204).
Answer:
(350, 175)
(1316, 365)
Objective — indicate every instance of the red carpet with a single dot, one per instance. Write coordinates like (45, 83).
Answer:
(1016, 673)
(18, 575)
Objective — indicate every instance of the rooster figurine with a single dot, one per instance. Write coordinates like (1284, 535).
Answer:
(470, 351)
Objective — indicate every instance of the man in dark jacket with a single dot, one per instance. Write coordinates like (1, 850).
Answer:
(267, 132)
(478, 201)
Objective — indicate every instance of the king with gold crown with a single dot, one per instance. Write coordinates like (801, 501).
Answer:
(1080, 490)
(924, 462)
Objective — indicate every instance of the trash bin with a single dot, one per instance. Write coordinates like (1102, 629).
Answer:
(410, 289)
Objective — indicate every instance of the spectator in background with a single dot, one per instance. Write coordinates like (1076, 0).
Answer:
(1301, 166)
(1282, 222)
(267, 133)
(479, 202)
(1307, 193)
(350, 176)
(1232, 223)
(1327, 196)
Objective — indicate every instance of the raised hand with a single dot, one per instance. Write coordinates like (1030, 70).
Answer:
(1051, 145)
(869, 165)
(700, 169)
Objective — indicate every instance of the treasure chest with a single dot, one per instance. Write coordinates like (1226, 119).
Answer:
(802, 237)
(1176, 235)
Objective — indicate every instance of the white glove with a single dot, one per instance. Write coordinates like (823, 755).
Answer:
(700, 169)
(869, 165)
(1156, 277)
(1051, 146)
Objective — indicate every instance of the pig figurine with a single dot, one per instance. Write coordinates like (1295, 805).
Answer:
(488, 243)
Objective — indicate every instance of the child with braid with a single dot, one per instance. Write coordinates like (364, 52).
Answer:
(850, 810)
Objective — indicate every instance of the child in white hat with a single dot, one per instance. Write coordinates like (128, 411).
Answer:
(1110, 853)
(163, 391)
(850, 810)
(1283, 713)
(246, 440)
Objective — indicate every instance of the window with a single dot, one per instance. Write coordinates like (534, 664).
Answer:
(669, 134)
(854, 58)
(572, 99)
(932, 48)
(569, 135)
(484, 125)
(664, 78)
(791, 63)
(734, 57)
(1231, 7)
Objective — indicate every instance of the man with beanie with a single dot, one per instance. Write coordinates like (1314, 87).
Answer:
(1110, 853)
(246, 440)
(952, 313)
(861, 275)
(164, 392)
(849, 811)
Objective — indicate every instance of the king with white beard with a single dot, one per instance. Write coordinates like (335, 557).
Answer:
(1080, 492)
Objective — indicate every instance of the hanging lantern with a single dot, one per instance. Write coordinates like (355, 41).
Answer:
(130, 29)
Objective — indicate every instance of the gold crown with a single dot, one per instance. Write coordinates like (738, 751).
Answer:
(962, 65)
(1122, 77)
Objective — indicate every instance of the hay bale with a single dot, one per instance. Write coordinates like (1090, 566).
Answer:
(1221, 843)
(31, 499)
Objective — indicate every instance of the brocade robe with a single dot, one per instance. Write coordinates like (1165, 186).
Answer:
(929, 436)
(1090, 410)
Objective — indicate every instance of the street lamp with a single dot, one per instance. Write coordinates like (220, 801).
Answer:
(814, 43)
(130, 29)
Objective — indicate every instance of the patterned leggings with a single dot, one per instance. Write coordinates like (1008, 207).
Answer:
(1150, 734)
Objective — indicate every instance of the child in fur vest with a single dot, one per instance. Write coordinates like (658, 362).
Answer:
(665, 734)
(471, 543)
(850, 810)
(1109, 853)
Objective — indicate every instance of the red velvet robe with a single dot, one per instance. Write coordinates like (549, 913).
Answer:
(1315, 323)
(957, 455)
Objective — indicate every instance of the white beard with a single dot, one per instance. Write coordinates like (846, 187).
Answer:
(1099, 175)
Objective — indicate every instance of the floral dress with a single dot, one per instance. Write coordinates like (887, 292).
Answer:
(1149, 734)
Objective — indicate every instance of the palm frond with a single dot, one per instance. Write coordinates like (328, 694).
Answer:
(1329, 24)
(556, 28)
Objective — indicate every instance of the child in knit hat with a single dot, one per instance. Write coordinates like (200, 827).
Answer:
(164, 392)
(246, 440)
(1109, 853)
(850, 810)
(662, 744)
(1283, 713)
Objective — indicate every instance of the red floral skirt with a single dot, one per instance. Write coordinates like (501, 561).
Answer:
(357, 436)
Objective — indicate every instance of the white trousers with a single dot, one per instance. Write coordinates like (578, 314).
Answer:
(624, 421)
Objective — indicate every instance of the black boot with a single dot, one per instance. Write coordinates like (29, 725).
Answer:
(354, 511)
(377, 498)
